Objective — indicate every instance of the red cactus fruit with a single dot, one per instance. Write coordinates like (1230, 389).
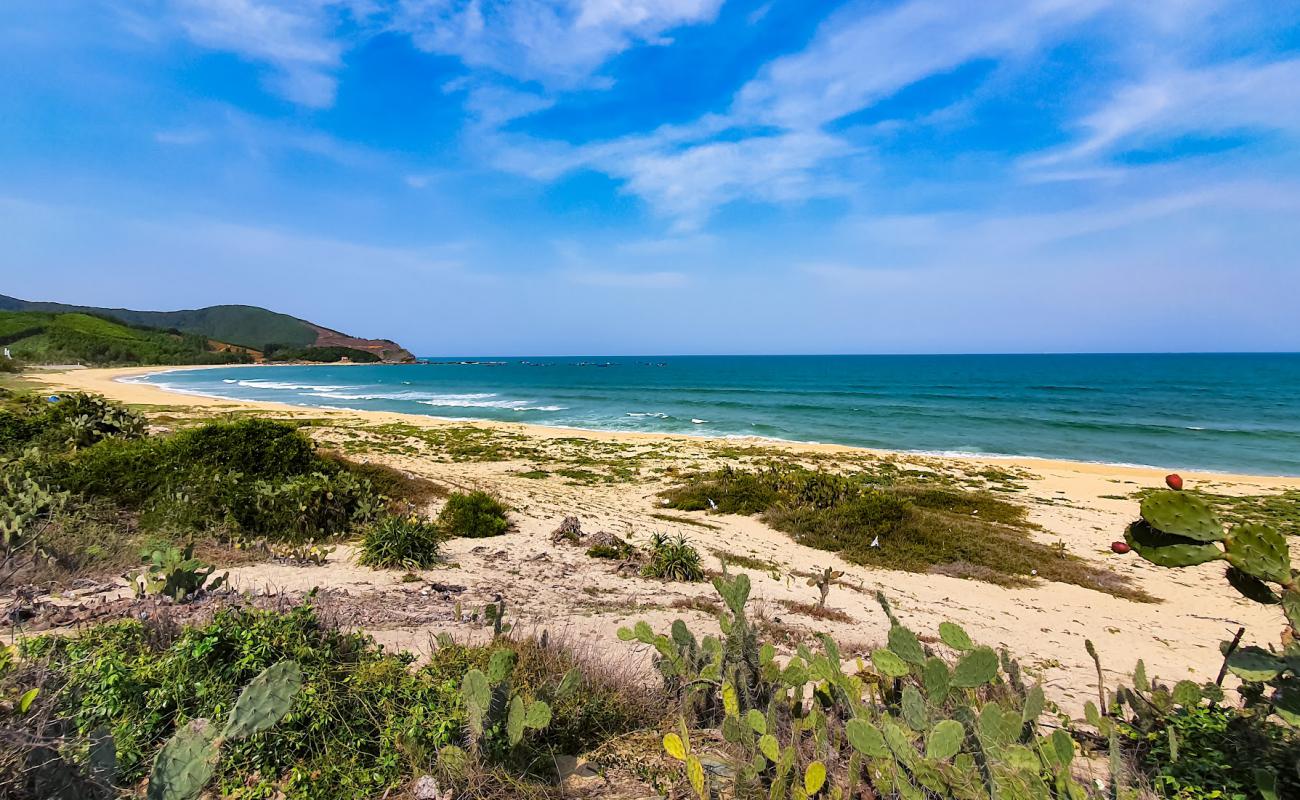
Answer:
(1174, 481)
(1120, 547)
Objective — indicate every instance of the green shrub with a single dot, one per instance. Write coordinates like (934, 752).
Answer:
(1219, 748)
(363, 725)
(400, 542)
(673, 558)
(76, 420)
(253, 447)
(967, 534)
(475, 515)
(252, 477)
(360, 722)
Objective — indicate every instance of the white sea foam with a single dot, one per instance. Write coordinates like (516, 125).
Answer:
(259, 383)
(699, 421)
(655, 414)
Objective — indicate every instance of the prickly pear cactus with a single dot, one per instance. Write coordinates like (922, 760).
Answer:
(1182, 514)
(265, 701)
(185, 763)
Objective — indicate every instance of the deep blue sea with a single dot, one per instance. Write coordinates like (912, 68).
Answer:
(1237, 412)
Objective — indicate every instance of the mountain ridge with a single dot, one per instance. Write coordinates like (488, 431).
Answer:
(246, 326)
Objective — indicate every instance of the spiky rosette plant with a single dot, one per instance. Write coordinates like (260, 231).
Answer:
(186, 762)
(1178, 529)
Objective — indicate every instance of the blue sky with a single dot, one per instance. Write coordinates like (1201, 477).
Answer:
(667, 176)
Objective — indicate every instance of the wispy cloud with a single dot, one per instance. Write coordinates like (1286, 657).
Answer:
(295, 38)
(1231, 98)
(558, 43)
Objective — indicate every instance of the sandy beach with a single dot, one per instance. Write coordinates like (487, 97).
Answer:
(1083, 506)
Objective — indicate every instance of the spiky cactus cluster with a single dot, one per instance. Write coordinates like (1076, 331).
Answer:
(24, 503)
(492, 706)
(174, 573)
(908, 723)
(187, 761)
(1178, 529)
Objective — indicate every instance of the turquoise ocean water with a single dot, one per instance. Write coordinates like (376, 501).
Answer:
(1234, 412)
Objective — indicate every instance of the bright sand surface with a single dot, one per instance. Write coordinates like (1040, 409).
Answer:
(1085, 506)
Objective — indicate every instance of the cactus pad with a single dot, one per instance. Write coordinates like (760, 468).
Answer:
(1166, 550)
(1251, 588)
(955, 636)
(1255, 664)
(888, 663)
(185, 764)
(866, 738)
(914, 713)
(935, 674)
(945, 740)
(264, 701)
(1259, 551)
(976, 668)
(1182, 514)
(500, 665)
(905, 645)
(1291, 606)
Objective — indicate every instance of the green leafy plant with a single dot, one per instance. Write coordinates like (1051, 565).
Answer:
(174, 573)
(400, 542)
(673, 558)
(474, 515)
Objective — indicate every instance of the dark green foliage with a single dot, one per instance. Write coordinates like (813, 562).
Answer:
(1219, 748)
(357, 725)
(967, 534)
(326, 355)
(251, 476)
(673, 558)
(248, 326)
(82, 338)
(474, 515)
(400, 542)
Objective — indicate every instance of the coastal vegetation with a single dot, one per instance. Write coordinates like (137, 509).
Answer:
(323, 355)
(882, 520)
(58, 333)
(83, 339)
(752, 708)
(474, 515)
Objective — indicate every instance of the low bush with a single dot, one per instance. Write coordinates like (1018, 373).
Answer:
(400, 542)
(249, 477)
(967, 534)
(673, 558)
(1218, 751)
(474, 516)
(75, 420)
(364, 723)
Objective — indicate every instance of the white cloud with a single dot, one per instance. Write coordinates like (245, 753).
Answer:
(296, 38)
(1234, 97)
(857, 58)
(558, 43)
(772, 145)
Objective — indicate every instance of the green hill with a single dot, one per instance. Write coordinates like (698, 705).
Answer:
(73, 338)
(246, 326)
